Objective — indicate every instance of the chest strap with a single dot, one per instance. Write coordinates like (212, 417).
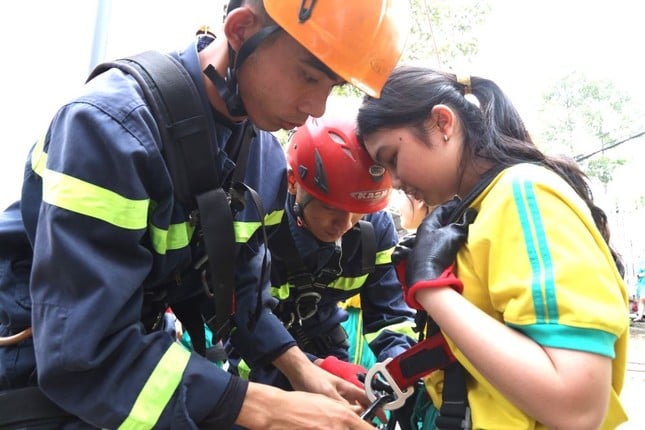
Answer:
(308, 286)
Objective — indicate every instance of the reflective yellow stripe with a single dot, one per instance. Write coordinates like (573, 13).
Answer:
(158, 389)
(281, 292)
(176, 237)
(244, 230)
(385, 256)
(343, 283)
(87, 199)
(348, 284)
(360, 339)
(273, 218)
(243, 370)
(39, 157)
(405, 328)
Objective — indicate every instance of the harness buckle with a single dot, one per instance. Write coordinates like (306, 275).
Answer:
(373, 381)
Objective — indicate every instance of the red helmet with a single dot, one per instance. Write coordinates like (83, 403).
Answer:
(330, 164)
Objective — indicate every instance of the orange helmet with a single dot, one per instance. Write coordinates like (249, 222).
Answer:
(360, 40)
(330, 164)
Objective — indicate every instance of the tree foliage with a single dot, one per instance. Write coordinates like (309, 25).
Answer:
(580, 116)
(443, 35)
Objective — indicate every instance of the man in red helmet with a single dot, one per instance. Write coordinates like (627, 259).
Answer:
(334, 243)
(99, 236)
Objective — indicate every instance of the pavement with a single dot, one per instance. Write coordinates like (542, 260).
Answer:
(633, 394)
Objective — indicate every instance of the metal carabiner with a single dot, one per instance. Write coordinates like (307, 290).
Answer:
(310, 313)
(399, 396)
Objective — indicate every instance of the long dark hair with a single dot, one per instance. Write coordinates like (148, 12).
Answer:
(493, 129)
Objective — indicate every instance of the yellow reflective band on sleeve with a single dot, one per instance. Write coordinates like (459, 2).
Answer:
(81, 197)
(158, 389)
(244, 230)
(385, 256)
(405, 328)
(39, 157)
(176, 237)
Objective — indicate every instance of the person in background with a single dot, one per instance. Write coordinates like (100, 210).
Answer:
(333, 246)
(102, 238)
(514, 265)
(640, 294)
(407, 211)
(334, 243)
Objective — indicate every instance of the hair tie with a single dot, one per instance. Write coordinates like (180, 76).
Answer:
(468, 93)
(465, 81)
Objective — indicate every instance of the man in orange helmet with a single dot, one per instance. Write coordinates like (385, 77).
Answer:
(334, 243)
(109, 237)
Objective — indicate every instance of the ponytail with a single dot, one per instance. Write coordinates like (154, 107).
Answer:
(493, 129)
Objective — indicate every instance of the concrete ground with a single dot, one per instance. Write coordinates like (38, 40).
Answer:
(633, 395)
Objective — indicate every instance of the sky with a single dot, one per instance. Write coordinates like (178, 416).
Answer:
(525, 46)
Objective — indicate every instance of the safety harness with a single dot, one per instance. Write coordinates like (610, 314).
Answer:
(431, 353)
(308, 288)
(182, 122)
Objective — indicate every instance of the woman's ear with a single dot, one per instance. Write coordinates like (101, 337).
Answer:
(444, 117)
(239, 25)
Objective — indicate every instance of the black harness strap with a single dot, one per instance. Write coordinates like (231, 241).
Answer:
(177, 108)
(454, 413)
(28, 407)
(307, 285)
(368, 246)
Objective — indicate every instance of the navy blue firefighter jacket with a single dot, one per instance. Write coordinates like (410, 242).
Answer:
(387, 321)
(98, 208)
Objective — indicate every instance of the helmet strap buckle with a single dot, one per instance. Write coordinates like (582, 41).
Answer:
(305, 11)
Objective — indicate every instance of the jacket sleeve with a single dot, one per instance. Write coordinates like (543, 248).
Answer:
(387, 321)
(99, 173)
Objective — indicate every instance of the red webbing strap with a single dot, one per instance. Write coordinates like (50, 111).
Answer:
(425, 357)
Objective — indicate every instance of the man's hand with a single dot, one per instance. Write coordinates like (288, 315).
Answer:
(269, 408)
(306, 376)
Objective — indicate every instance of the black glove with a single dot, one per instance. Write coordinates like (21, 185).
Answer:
(429, 263)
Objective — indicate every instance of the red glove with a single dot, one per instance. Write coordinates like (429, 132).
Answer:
(347, 371)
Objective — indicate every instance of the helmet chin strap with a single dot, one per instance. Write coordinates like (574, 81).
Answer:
(228, 87)
(299, 209)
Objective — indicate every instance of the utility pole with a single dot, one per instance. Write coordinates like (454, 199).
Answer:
(101, 27)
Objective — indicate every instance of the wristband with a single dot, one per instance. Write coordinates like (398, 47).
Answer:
(446, 279)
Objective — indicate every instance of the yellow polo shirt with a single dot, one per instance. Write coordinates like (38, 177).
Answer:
(535, 261)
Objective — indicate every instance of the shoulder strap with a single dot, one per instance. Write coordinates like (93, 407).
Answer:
(182, 122)
(368, 246)
(285, 249)
(177, 107)
(484, 182)
(455, 411)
